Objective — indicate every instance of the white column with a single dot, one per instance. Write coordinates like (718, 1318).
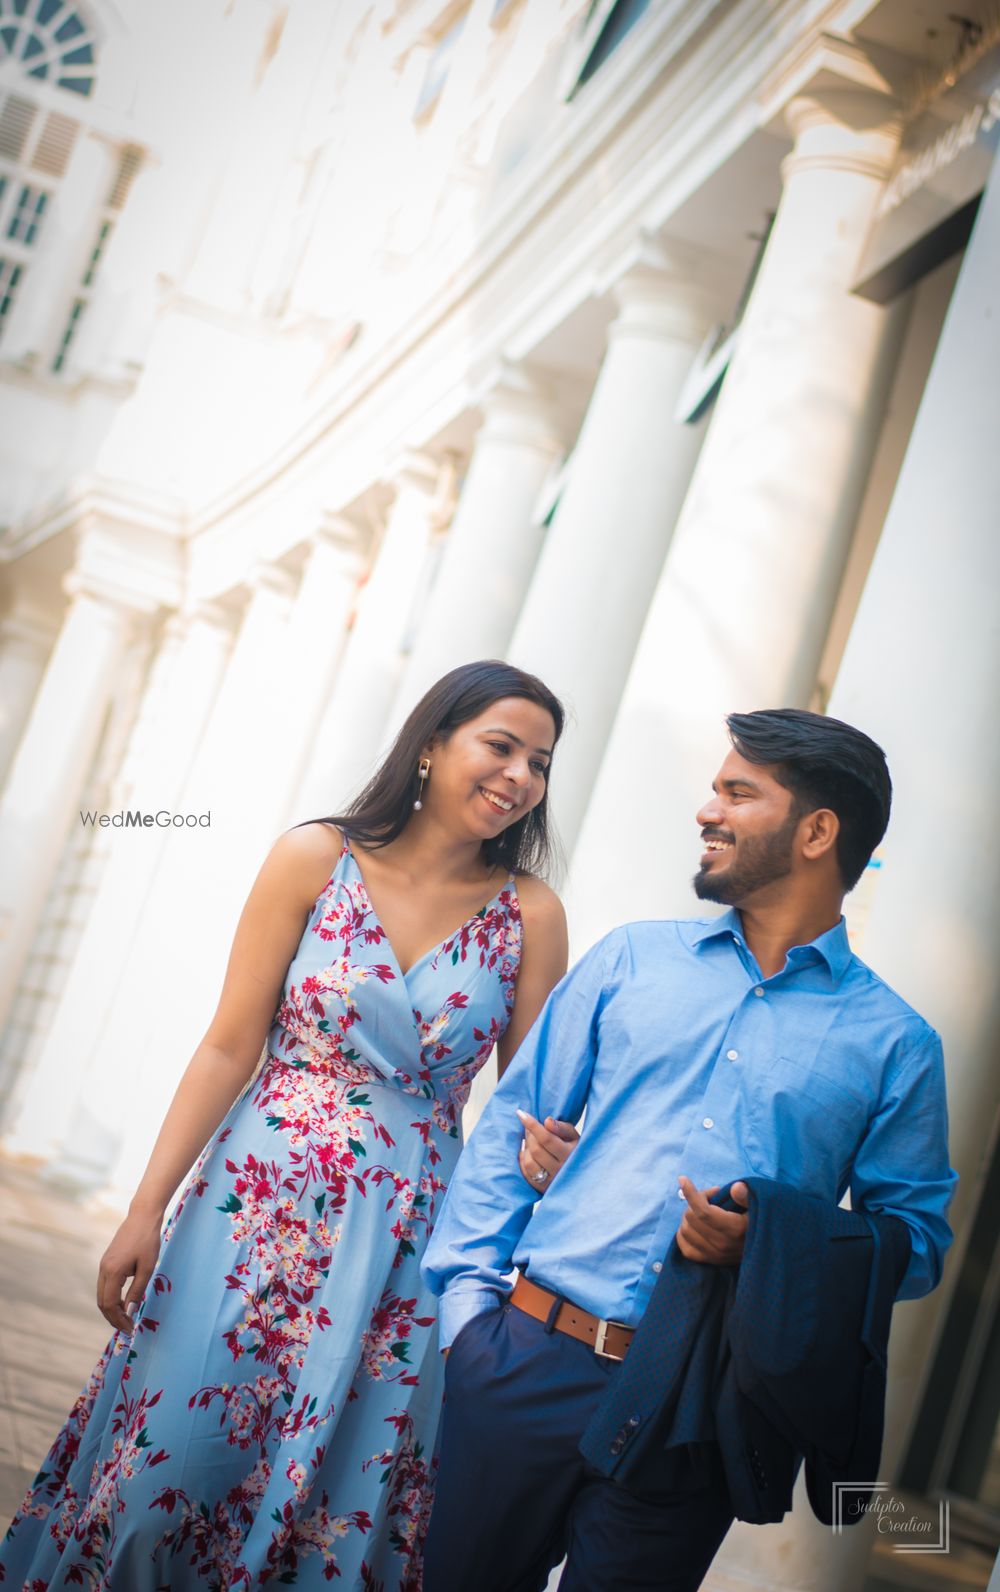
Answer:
(351, 731)
(627, 480)
(741, 612)
(317, 636)
(920, 674)
(26, 639)
(172, 971)
(182, 687)
(40, 798)
(494, 541)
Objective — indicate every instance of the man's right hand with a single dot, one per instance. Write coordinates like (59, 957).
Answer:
(708, 1233)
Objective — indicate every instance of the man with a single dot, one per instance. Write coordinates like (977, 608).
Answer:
(703, 1051)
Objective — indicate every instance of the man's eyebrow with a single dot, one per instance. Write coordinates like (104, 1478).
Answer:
(546, 751)
(731, 784)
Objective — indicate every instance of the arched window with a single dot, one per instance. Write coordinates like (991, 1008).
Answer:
(51, 41)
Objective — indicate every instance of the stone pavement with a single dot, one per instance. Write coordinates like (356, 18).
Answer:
(51, 1331)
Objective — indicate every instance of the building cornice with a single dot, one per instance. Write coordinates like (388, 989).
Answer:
(545, 214)
(824, 63)
(527, 208)
(118, 502)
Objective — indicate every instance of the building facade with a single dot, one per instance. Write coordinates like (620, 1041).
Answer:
(651, 344)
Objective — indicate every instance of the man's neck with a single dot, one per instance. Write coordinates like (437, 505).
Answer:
(771, 929)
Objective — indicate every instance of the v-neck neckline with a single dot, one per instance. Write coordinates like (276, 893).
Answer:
(433, 950)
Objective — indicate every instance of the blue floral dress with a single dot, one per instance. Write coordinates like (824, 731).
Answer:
(273, 1419)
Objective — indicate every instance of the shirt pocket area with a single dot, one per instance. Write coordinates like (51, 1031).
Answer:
(802, 1123)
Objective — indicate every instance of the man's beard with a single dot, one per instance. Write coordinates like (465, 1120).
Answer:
(762, 861)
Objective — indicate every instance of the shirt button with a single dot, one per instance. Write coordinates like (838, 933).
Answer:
(732, 1055)
(707, 1122)
(657, 1266)
(758, 990)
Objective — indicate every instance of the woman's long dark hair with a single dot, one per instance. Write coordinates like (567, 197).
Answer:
(383, 809)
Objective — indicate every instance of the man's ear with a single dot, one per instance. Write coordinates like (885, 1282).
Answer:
(820, 831)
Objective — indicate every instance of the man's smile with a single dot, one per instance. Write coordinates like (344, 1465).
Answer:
(714, 844)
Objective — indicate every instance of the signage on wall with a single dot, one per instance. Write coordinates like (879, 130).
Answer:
(929, 203)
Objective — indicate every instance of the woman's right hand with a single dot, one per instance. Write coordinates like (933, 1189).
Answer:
(131, 1253)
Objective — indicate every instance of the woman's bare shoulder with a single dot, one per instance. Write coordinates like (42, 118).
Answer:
(539, 903)
(305, 857)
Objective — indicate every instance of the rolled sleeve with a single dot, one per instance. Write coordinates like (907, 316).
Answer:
(902, 1166)
(460, 1305)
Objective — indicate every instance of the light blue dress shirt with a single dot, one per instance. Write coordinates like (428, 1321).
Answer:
(689, 1061)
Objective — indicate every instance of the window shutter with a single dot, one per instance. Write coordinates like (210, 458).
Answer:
(16, 120)
(127, 168)
(55, 145)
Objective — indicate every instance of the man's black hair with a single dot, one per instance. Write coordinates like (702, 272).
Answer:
(824, 763)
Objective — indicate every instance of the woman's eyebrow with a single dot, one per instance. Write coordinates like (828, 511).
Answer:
(546, 751)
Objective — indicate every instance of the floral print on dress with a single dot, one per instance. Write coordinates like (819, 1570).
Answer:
(273, 1419)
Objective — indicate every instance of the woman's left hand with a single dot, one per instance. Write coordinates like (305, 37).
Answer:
(545, 1148)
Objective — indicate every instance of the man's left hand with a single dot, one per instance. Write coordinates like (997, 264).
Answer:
(545, 1149)
(707, 1232)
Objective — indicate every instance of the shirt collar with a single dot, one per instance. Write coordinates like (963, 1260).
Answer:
(831, 946)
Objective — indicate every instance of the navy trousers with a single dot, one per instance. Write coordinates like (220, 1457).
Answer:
(514, 1494)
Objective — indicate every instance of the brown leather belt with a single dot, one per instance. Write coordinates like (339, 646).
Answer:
(607, 1338)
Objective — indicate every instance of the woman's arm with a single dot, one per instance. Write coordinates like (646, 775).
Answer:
(267, 937)
(544, 955)
(544, 959)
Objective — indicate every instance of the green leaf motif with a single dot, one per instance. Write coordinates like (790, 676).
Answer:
(232, 1205)
(358, 1148)
(401, 1352)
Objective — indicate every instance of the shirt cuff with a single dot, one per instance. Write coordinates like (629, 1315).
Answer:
(459, 1305)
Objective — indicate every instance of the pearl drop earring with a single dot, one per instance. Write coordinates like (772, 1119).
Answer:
(423, 770)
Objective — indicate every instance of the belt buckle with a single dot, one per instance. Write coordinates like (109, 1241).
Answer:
(602, 1338)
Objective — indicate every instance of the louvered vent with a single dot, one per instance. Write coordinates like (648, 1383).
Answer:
(55, 146)
(16, 118)
(127, 168)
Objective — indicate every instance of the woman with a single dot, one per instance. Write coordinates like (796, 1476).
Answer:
(268, 1416)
